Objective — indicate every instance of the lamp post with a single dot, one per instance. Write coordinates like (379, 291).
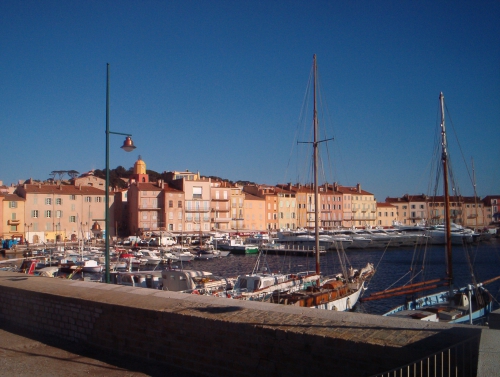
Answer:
(127, 146)
(27, 236)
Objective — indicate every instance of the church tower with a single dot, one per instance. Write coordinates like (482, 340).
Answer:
(140, 174)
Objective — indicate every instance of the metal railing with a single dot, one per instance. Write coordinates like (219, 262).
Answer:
(457, 361)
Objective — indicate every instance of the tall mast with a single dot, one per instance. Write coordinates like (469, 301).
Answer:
(316, 190)
(444, 158)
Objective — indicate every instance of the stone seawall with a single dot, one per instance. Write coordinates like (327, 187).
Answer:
(217, 336)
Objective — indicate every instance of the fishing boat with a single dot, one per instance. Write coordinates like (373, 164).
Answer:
(469, 304)
(341, 291)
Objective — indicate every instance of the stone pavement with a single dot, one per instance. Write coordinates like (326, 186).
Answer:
(23, 353)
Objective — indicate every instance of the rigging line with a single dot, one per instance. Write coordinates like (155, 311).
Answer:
(380, 261)
(301, 119)
(324, 106)
(390, 286)
(459, 145)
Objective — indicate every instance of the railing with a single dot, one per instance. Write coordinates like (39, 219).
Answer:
(457, 361)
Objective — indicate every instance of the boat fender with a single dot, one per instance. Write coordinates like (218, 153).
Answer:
(195, 292)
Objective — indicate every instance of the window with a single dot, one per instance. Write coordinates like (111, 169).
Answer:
(48, 214)
(179, 204)
(12, 204)
(34, 213)
(72, 219)
(58, 201)
(98, 199)
(48, 201)
(58, 214)
(197, 192)
(170, 204)
(72, 197)
(88, 199)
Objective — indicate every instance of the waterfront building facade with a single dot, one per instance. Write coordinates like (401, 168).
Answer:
(12, 210)
(220, 205)
(268, 193)
(237, 208)
(492, 209)
(255, 213)
(386, 214)
(197, 191)
(330, 207)
(64, 212)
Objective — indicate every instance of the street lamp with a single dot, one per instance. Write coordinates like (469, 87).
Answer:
(27, 236)
(128, 146)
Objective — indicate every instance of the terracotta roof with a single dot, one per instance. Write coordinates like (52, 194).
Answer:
(487, 199)
(63, 189)
(148, 186)
(382, 204)
(11, 197)
(352, 190)
(251, 197)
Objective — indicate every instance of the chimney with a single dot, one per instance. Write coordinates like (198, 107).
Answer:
(358, 188)
(335, 186)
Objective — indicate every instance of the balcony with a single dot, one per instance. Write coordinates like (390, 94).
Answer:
(13, 222)
(198, 210)
(148, 208)
(220, 219)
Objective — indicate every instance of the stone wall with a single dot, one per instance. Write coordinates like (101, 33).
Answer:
(217, 336)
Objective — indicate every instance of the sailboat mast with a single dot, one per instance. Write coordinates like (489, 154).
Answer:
(444, 158)
(316, 190)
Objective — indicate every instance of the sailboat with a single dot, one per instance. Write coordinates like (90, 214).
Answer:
(342, 291)
(455, 305)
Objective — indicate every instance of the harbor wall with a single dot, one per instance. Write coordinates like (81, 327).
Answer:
(217, 336)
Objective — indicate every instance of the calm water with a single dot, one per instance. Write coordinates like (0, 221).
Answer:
(391, 265)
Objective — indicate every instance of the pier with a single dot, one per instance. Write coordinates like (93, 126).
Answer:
(223, 337)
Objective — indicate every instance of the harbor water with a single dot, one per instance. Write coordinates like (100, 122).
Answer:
(392, 267)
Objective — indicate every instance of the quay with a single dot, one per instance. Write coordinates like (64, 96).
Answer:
(201, 335)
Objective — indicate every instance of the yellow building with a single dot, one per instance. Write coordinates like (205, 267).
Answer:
(12, 225)
(386, 213)
(255, 213)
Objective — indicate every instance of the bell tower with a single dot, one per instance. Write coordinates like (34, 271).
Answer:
(140, 174)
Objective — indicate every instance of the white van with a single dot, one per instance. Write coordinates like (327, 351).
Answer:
(168, 241)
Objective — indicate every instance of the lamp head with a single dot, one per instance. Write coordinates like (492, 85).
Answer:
(128, 144)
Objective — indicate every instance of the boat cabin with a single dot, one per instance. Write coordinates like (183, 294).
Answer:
(192, 281)
(142, 279)
(252, 283)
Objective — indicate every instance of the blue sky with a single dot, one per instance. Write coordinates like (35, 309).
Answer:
(218, 86)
